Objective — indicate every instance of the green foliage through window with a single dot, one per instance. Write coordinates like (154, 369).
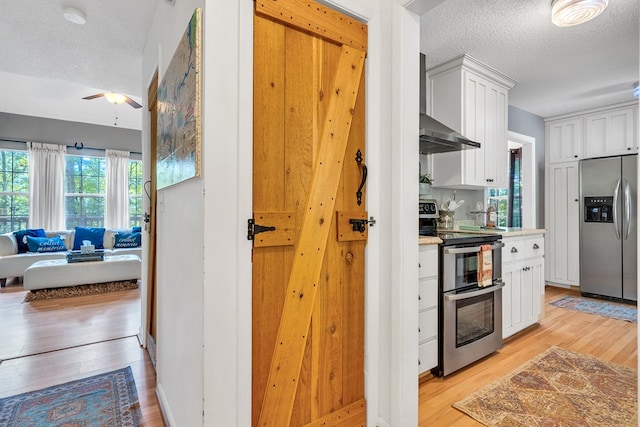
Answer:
(85, 181)
(14, 190)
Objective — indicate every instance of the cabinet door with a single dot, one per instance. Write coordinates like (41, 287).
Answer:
(485, 121)
(562, 206)
(475, 128)
(536, 277)
(565, 139)
(496, 147)
(511, 297)
(610, 133)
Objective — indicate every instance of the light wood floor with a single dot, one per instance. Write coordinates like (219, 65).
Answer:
(48, 343)
(607, 339)
(44, 343)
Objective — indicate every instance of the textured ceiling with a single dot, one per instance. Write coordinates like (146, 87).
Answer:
(45, 59)
(559, 70)
(106, 52)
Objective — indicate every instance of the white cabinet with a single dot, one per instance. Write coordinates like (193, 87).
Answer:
(562, 222)
(428, 308)
(472, 99)
(564, 139)
(610, 133)
(523, 275)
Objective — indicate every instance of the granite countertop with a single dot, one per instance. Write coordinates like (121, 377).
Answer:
(429, 240)
(507, 231)
(504, 231)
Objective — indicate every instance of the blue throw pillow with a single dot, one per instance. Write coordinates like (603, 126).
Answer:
(46, 244)
(137, 229)
(127, 240)
(21, 237)
(94, 234)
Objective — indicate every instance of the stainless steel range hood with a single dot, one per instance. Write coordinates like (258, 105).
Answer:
(436, 137)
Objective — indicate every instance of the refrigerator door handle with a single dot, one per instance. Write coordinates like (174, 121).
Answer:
(616, 226)
(627, 209)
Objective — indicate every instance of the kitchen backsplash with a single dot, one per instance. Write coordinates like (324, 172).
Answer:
(470, 197)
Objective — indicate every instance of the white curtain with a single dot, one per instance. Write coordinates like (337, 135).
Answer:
(46, 186)
(116, 210)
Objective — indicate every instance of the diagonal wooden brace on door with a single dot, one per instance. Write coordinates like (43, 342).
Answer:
(284, 372)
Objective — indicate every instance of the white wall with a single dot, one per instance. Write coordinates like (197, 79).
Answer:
(180, 241)
(218, 205)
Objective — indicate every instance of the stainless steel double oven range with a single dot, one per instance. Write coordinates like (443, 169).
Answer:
(469, 316)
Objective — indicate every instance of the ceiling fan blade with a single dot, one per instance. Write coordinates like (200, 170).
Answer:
(97, 95)
(133, 103)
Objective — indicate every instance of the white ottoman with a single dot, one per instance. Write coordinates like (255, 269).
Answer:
(57, 273)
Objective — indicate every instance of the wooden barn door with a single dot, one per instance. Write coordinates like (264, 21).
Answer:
(308, 272)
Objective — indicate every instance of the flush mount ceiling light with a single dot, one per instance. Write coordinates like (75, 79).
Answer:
(566, 13)
(74, 15)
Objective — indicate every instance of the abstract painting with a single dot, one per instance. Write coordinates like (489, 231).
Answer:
(179, 110)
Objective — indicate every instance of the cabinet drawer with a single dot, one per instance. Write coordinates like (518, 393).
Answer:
(427, 356)
(428, 293)
(428, 261)
(513, 250)
(534, 247)
(427, 324)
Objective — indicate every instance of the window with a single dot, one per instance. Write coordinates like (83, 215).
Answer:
(499, 198)
(14, 190)
(135, 192)
(85, 180)
(84, 191)
(508, 201)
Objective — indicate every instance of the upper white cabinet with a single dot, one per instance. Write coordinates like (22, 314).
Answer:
(472, 99)
(596, 133)
(610, 133)
(565, 139)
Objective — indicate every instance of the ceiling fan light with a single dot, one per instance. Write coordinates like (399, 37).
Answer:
(74, 15)
(566, 13)
(115, 98)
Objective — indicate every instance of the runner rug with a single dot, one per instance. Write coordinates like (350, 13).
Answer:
(102, 400)
(625, 312)
(558, 388)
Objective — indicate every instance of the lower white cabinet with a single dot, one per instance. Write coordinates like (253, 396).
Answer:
(523, 275)
(428, 308)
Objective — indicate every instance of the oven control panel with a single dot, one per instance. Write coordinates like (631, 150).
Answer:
(428, 208)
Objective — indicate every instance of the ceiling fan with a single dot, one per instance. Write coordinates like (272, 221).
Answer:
(115, 98)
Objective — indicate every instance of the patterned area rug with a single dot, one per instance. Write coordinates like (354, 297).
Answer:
(558, 388)
(103, 400)
(625, 312)
(76, 291)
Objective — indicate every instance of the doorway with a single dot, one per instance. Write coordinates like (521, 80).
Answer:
(516, 205)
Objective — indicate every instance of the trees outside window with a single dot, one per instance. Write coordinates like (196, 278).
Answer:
(84, 191)
(14, 190)
(135, 192)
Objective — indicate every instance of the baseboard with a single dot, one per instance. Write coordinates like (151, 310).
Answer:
(162, 403)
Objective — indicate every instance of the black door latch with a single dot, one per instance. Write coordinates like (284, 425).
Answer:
(360, 225)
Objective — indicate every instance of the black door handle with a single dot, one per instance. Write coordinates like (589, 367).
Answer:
(364, 177)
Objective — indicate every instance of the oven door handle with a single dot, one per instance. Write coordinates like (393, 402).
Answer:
(472, 249)
(457, 297)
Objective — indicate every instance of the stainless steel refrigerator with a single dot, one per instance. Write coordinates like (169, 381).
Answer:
(608, 227)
